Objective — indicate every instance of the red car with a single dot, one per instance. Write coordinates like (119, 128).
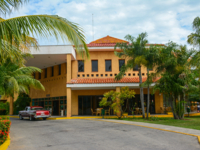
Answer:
(34, 112)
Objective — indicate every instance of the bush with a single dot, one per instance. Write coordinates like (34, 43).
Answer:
(22, 101)
(4, 108)
(4, 128)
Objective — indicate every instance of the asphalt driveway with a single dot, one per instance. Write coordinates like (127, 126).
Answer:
(77, 134)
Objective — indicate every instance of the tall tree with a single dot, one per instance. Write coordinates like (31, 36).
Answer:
(151, 55)
(135, 53)
(15, 37)
(176, 79)
(194, 39)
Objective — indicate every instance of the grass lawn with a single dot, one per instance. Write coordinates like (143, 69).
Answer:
(188, 122)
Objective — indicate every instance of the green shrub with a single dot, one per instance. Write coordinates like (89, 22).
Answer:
(4, 128)
(22, 101)
(4, 108)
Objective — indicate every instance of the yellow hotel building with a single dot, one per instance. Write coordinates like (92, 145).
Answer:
(76, 86)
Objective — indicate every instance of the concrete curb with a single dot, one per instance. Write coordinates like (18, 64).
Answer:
(61, 118)
(198, 137)
(5, 145)
(109, 117)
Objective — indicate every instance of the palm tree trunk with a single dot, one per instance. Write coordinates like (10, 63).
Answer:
(183, 104)
(141, 93)
(148, 95)
(174, 107)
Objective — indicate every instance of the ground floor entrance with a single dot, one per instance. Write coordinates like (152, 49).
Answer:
(87, 104)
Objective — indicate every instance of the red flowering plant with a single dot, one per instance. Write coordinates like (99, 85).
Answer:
(4, 128)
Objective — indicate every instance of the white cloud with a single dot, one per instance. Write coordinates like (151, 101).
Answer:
(162, 20)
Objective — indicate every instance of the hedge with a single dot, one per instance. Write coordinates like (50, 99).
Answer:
(4, 128)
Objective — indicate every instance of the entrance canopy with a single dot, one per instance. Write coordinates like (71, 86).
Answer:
(50, 55)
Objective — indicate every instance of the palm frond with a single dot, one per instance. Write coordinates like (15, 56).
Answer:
(6, 6)
(43, 26)
(26, 70)
(8, 51)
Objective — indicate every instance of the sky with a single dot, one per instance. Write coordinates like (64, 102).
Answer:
(163, 20)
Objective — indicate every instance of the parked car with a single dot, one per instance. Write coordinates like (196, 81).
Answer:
(34, 112)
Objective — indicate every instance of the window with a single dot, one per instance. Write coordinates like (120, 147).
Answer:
(80, 66)
(52, 71)
(121, 63)
(45, 75)
(59, 69)
(39, 75)
(94, 65)
(108, 65)
(136, 68)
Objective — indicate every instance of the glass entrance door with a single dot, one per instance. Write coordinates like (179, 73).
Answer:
(55, 107)
(84, 104)
(87, 105)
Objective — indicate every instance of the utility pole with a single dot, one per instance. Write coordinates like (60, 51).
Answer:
(92, 27)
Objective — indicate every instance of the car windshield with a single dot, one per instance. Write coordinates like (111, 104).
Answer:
(35, 108)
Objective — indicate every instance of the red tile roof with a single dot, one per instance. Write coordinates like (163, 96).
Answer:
(107, 80)
(109, 41)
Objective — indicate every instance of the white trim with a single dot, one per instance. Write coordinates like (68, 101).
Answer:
(103, 86)
(101, 47)
(53, 49)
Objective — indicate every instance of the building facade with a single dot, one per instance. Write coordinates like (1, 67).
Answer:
(76, 85)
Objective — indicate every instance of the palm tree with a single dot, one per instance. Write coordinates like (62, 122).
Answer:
(16, 80)
(151, 56)
(135, 53)
(194, 39)
(14, 31)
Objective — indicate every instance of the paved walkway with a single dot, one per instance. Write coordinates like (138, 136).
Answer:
(151, 125)
(95, 134)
